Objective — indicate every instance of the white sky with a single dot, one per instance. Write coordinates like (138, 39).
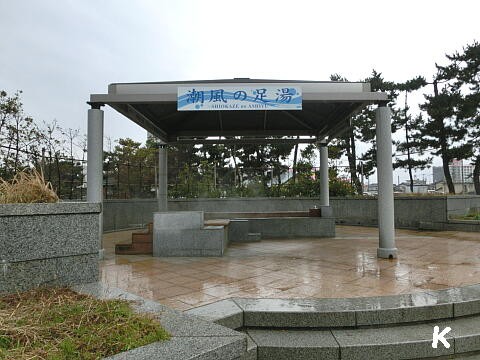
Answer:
(59, 52)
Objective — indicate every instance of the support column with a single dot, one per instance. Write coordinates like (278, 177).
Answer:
(324, 186)
(162, 195)
(386, 225)
(95, 164)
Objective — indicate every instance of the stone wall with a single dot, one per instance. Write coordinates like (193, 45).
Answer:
(410, 212)
(460, 205)
(48, 244)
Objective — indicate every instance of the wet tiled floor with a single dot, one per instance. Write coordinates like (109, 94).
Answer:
(345, 266)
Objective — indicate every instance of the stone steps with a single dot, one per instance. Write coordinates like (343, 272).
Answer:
(142, 243)
(391, 327)
(394, 342)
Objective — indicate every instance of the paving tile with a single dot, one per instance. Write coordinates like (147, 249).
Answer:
(220, 290)
(194, 298)
(170, 292)
(342, 267)
(199, 285)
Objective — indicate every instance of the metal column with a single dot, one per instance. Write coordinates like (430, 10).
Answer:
(95, 164)
(386, 225)
(162, 195)
(324, 186)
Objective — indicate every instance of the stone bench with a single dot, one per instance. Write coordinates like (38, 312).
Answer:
(251, 226)
(184, 233)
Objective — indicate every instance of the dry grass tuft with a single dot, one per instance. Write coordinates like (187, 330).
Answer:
(27, 187)
(61, 324)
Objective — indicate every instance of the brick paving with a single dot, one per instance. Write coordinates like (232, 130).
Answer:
(344, 266)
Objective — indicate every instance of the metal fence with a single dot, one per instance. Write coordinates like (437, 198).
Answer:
(128, 180)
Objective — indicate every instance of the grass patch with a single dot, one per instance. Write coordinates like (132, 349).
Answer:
(59, 324)
(472, 215)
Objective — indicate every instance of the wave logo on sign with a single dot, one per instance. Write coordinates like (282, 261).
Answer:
(236, 98)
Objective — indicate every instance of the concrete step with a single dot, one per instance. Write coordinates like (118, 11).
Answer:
(142, 243)
(346, 312)
(134, 249)
(294, 344)
(254, 214)
(390, 327)
(394, 342)
(142, 238)
(251, 353)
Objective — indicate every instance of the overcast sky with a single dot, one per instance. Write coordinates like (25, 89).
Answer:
(59, 52)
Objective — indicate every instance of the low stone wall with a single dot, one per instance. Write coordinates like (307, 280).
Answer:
(48, 244)
(128, 214)
(460, 205)
(291, 227)
(410, 212)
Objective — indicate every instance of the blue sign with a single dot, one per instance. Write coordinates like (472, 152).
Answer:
(202, 98)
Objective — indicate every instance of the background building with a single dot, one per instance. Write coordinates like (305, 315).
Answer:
(462, 177)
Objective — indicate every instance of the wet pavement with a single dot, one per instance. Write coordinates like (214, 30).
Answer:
(344, 266)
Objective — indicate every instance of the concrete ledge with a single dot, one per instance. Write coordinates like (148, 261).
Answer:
(252, 350)
(49, 208)
(224, 312)
(61, 271)
(294, 344)
(49, 230)
(192, 337)
(346, 312)
(394, 327)
(280, 313)
(48, 244)
(254, 214)
(292, 227)
(210, 241)
(238, 230)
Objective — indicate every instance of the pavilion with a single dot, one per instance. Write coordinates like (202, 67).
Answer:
(239, 111)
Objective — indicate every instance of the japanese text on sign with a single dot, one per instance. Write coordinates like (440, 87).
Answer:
(199, 98)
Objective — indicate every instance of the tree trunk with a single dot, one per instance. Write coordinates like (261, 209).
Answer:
(72, 167)
(233, 154)
(476, 175)
(49, 166)
(57, 163)
(352, 162)
(444, 148)
(448, 176)
(409, 159)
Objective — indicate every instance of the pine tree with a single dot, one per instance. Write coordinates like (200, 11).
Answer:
(363, 129)
(453, 126)
(411, 126)
(464, 75)
(442, 132)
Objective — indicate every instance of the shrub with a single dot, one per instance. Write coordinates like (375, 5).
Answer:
(27, 187)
